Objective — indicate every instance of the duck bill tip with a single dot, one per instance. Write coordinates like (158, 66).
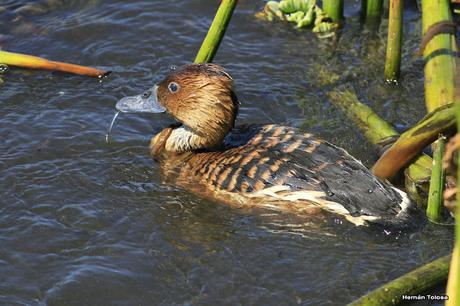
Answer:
(146, 102)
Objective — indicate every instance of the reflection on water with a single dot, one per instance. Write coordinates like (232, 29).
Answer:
(83, 222)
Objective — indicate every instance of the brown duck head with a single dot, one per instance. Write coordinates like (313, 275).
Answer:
(200, 96)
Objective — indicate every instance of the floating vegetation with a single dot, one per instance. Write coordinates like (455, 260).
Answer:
(304, 13)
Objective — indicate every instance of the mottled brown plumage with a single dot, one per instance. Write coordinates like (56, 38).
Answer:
(269, 166)
(205, 101)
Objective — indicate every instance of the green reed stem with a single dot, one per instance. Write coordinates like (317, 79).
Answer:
(435, 195)
(334, 9)
(438, 54)
(413, 283)
(375, 128)
(216, 32)
(373, 9)
(395, 24)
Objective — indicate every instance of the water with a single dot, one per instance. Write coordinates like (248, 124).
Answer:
(83, 222)
(107, 136)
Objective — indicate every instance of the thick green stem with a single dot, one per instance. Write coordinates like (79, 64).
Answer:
(412, 283)
(435, 195)
(393, 59)
(334, 9)
(375, 129)
(372, 9)
(438, 55)
(216, 32)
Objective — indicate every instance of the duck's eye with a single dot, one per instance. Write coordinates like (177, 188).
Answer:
(173, 87)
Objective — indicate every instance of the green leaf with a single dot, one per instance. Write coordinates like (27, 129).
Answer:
(307, 19)
(292, 6)
(271, 9)
(295, 17)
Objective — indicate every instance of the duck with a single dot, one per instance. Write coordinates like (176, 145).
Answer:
(273, 167)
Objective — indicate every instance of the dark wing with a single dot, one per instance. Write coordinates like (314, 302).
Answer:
(284, 156)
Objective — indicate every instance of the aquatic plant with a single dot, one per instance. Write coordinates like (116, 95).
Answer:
(435, 199)
(333, 9)
(438, 53)
(410, 284)
(411, 142)
(393, 56)
(216, 32)
(34, 62)
(372, 10)
(303, 13)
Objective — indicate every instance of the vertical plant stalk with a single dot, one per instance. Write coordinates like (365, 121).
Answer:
(435, 195)
(395, 24)
(438, 54)
(34, 62)
(216, 32)
(372, 9)
(334, 9)
(442, 85)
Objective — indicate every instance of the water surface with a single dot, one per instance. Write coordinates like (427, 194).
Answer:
(83, 222)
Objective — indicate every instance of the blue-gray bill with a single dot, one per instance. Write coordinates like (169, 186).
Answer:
(146, 102)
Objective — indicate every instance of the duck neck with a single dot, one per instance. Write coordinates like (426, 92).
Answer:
(183, 139)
